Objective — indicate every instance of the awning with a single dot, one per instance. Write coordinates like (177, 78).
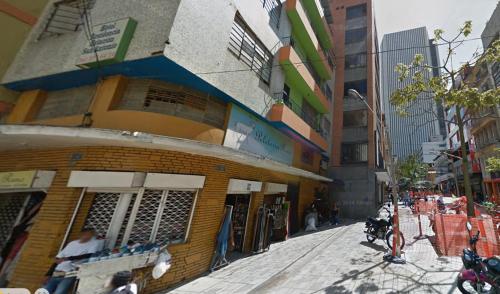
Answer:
(443, 178)
(383, 177)
(25, 137)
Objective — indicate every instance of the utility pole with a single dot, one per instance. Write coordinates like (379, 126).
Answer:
(395, 255)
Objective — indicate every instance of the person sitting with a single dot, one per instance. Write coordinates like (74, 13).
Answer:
(75, 251)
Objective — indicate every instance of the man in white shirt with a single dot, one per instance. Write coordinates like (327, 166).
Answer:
(75, 251)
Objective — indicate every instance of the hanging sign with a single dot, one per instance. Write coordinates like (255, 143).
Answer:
(109, 42)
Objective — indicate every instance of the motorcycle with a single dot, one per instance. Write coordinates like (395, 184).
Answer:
(382, 229)
(480, 275)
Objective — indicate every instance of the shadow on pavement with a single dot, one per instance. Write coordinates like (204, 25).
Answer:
(373, 246)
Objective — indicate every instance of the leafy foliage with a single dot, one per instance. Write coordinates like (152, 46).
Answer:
(412, 170)
(493, 163)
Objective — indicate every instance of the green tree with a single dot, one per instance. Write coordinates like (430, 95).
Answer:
(493, 163)
(451, 88)
(412, 170)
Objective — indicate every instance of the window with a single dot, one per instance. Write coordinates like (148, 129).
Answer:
(356, 11)
(160, 216)
(245, 45)
(307, 156)
(273, 7)
(327, 91)
(359, 86)
(160, 97)
(66, 102)
(67, 16)
(356, 118)
(355, 60)
(354, 152)
(355, 36)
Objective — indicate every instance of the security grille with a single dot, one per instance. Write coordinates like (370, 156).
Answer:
(101, 213)
(245, 45)
(10, 207)
(161, 216)
(146, 216)
(175, 217)
(67, 16)
(164, 98)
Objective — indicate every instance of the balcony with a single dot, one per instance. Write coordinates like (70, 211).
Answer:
(290, 116)
(305, 34)
(319, 25)
(300, 76)
(483, 118)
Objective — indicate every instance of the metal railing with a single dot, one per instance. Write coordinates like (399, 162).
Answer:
(312, 121)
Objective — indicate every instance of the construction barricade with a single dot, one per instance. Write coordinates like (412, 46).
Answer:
(452, 236)
(423, 207)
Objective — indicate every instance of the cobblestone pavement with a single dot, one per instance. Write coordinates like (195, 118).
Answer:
(337, 260)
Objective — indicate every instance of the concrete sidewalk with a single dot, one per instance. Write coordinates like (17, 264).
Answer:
(336, 260)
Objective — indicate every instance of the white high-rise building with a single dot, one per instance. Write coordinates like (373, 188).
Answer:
(425, 117)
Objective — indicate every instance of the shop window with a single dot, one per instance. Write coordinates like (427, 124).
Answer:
(160, 216)
(355, 36)
(355, 118)
(245, 45)
(356, 11)
(354, 152)
(67, 16)
(355, 60)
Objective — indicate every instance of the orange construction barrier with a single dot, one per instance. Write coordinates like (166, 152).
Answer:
(425, 207)
(452, 236)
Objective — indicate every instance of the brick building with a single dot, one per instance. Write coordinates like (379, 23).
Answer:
(143, 122)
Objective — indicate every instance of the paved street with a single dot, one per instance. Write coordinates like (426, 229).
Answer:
(336, 260)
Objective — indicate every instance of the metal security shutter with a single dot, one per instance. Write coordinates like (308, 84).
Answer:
(175, 216)
(123, 227)
(145, 219)
(10, 207)
(101, 212)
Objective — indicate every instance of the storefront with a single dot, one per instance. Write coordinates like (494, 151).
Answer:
(156, 191)
(21, 196)
(275, 201)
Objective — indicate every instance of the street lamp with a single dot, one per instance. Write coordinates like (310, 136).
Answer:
(396, 250)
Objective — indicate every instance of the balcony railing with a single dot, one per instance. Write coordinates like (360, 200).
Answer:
(312, 121)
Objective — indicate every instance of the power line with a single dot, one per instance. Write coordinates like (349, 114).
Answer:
(338, 57)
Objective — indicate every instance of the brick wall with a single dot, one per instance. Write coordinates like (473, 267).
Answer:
(189, 259)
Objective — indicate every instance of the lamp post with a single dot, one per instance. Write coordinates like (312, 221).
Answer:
(395, 255)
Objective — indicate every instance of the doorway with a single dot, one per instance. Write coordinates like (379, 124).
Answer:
(18, 213)
(241, 204)
(292, 196)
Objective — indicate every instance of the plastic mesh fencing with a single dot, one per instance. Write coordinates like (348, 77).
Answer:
(425, 207)
(452, 236)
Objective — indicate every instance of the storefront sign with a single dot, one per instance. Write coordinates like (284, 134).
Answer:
(17, 180)
(248, 133)
(110, 43)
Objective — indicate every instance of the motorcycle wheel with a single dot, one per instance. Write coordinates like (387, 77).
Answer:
(370, 238)
(388, 239)
(469, 287)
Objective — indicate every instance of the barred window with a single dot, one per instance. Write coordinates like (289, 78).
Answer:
(354, 152)
(66, 16)
(245, 45)
(160, 216)
(273, 7)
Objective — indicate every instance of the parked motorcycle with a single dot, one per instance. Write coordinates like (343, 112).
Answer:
(382, 229)
(480, 275)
